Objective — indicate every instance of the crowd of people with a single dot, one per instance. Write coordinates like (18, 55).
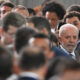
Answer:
(41, 43)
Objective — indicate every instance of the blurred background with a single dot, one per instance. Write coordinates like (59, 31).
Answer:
(34, 3)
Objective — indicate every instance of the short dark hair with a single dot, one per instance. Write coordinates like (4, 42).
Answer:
(40, 23)
(31, 59)
(22, 36)
(5, 63)
(9, 4)
(31, 11)
(71, 14)
(41, 35)
(74, 7)
(74, 66)
(60, 65)
(54, 7)
(13, 19)
(53, 38)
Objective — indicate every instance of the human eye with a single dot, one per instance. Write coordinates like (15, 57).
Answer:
(74, 37)
(75, 23)
(67, 37)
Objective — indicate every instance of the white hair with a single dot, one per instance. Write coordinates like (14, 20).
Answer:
(66, 26)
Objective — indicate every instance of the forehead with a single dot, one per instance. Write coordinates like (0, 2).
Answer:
(6, 8)
(51, 14)
(40, 41)
(69, 30)
(43, 30)
(72, 18)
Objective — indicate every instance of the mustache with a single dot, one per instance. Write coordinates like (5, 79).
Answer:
(71, 44)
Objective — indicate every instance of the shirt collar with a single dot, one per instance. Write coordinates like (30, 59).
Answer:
(73, 54)
(64, 49)
(29, 74)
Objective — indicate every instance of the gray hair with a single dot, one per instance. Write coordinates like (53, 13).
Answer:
(65, 26)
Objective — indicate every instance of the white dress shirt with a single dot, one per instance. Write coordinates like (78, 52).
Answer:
(29, 74)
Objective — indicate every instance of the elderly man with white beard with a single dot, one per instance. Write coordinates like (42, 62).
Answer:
(68, 37)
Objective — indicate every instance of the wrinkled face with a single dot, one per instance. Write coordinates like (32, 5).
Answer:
(52, 18)
(71, 75)
(68, 39)
(4, 10)
(74, 20)
(43, 44)
(8, 37)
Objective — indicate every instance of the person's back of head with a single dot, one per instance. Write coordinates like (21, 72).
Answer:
(22, 36)
(54, 40)
(31, 11)
(32, 59)
(40, 23)
(5, 63)
(57, 67)
(71, 71)
(73, 8)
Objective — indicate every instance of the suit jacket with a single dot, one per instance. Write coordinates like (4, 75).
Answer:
(72, 54)
(27, 78)
(77, 52)
(59, 52)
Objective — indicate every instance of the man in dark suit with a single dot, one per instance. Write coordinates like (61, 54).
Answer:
(32, 64)
(68, 37)
(59, 52)
(42, 25)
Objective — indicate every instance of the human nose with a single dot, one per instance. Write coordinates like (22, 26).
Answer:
(71, 40)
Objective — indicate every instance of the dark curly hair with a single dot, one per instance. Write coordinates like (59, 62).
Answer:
(71, 14)
(74, 7)
(56, 7)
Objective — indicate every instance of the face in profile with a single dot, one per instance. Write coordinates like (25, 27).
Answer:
(43, 44)
(8, 37)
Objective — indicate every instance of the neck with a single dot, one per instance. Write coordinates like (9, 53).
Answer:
(38, 72)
